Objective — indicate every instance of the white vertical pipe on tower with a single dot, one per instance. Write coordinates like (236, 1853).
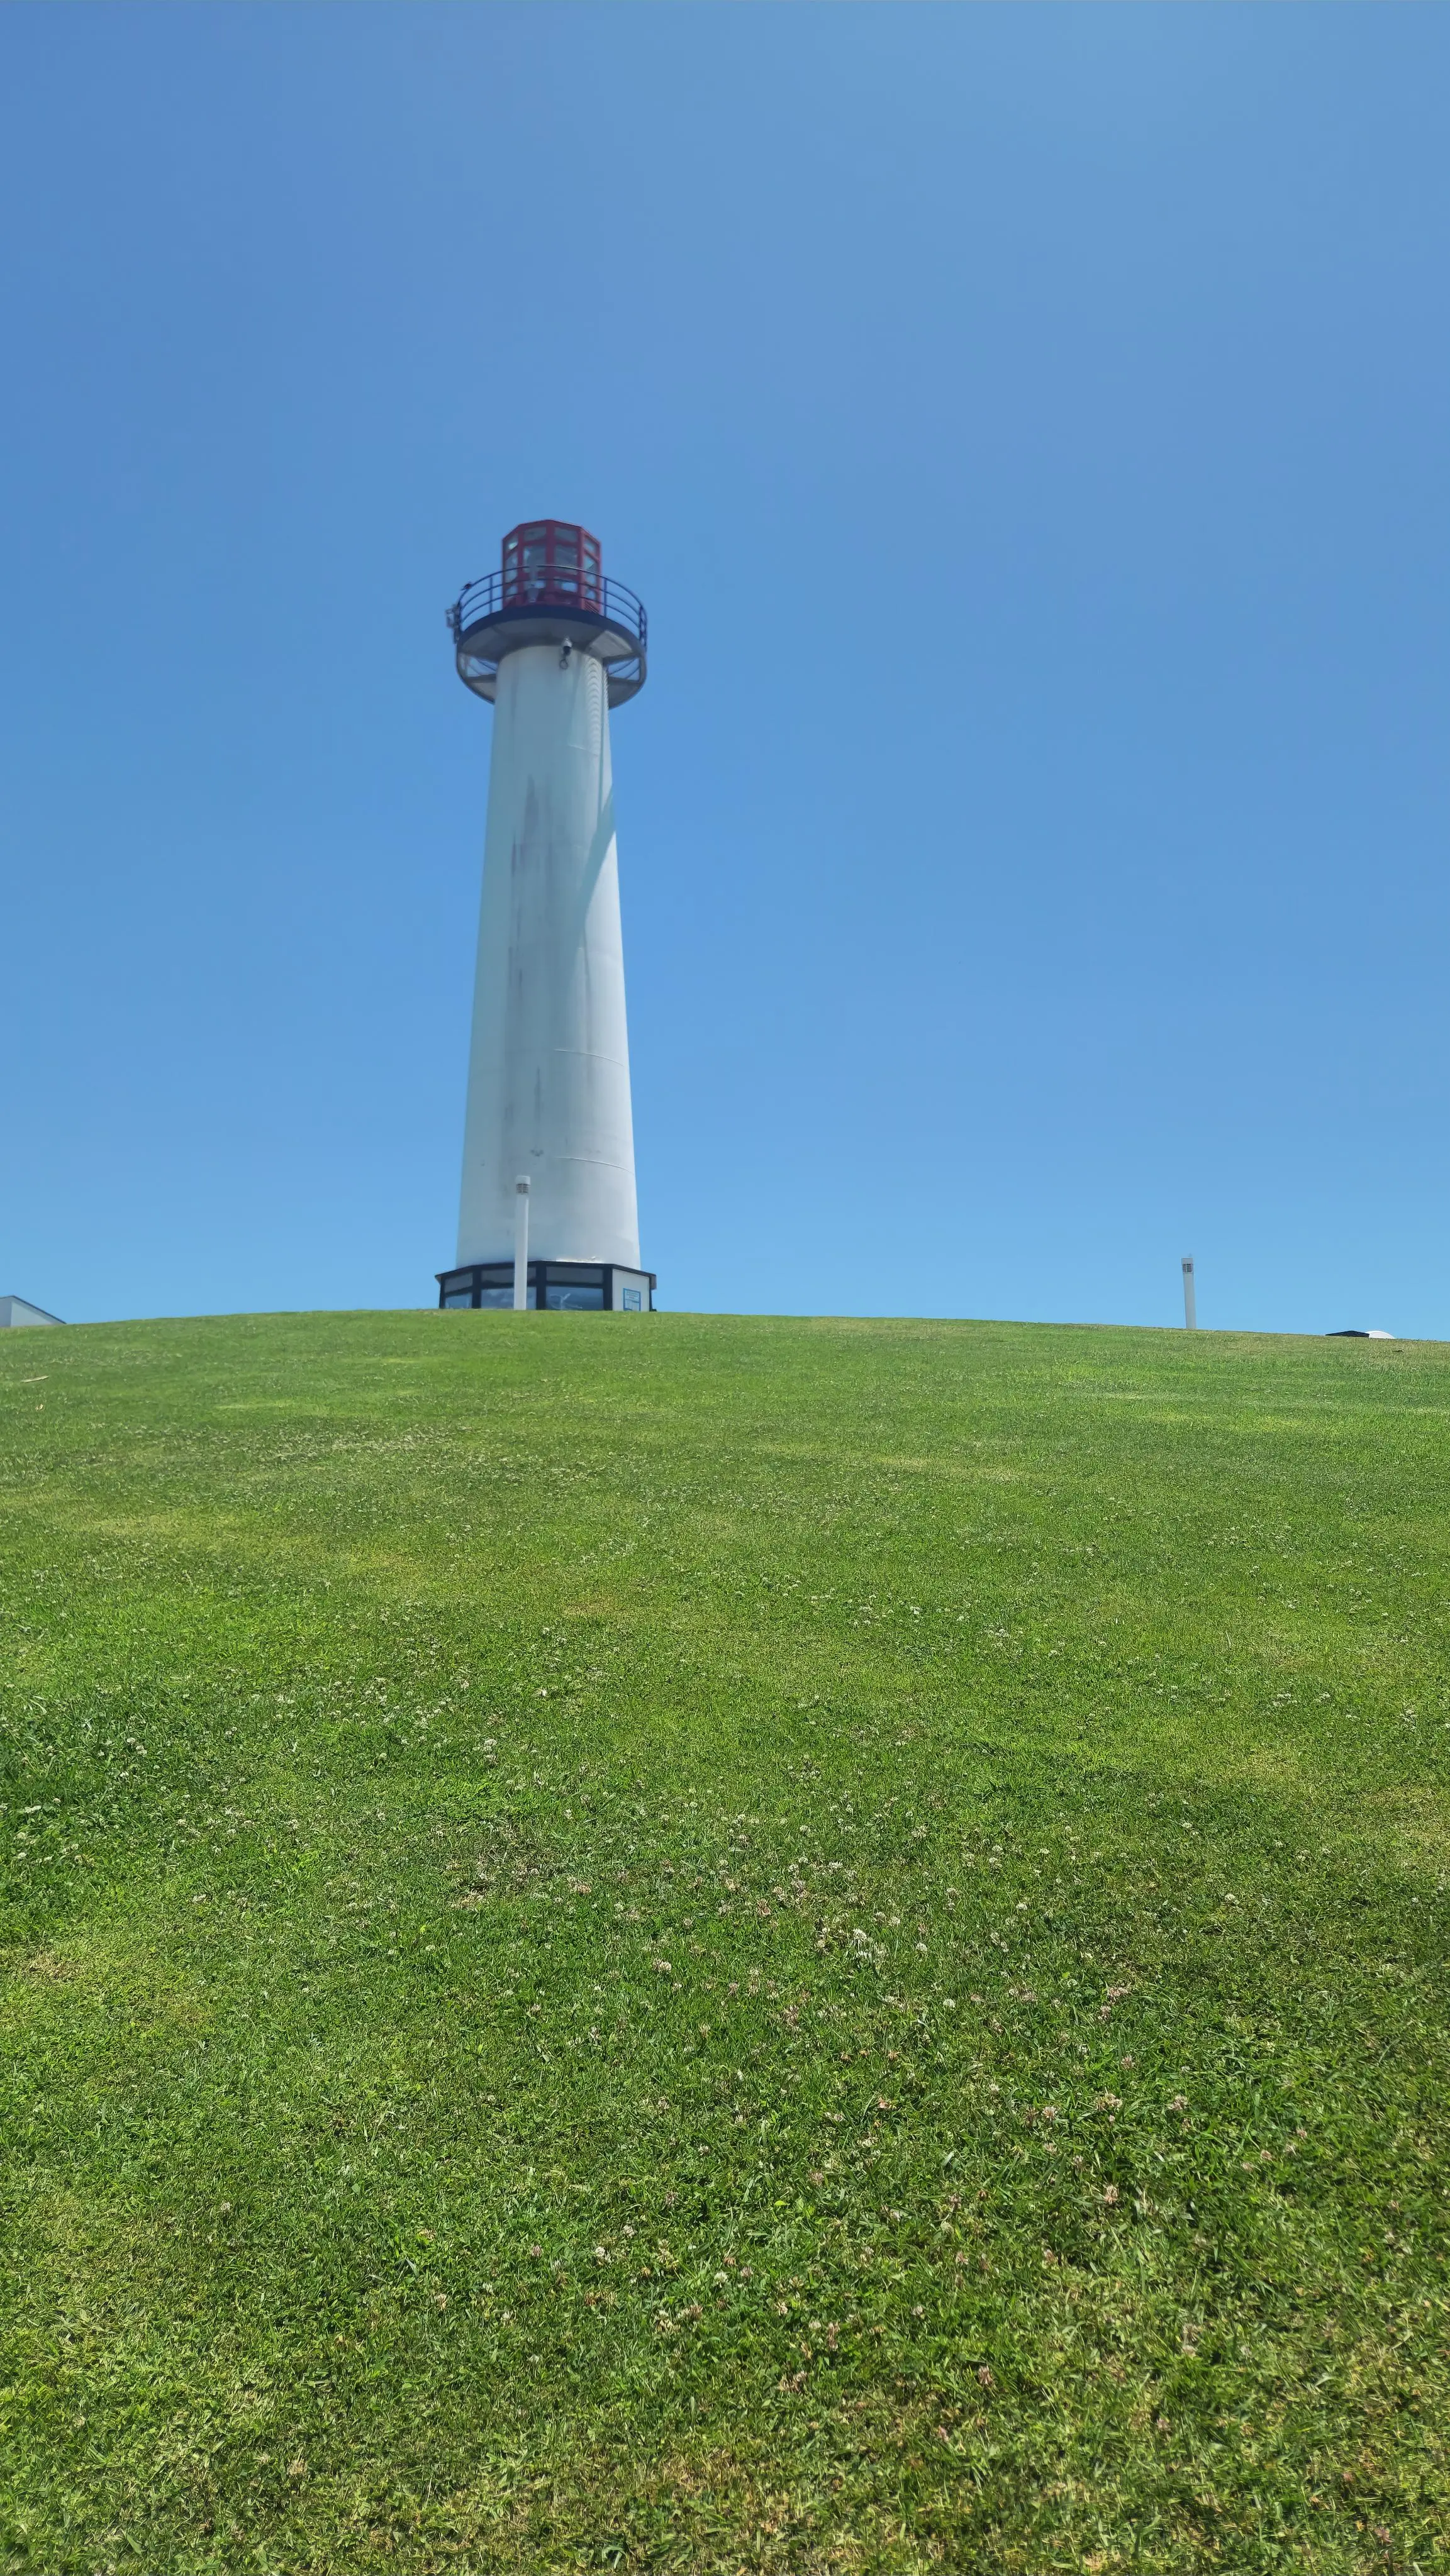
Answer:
(521, 1245)
(1190, 1303)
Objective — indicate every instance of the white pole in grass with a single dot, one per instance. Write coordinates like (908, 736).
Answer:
(1190, 1304)
(521, 1245)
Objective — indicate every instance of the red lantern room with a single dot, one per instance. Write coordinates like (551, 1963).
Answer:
(550, 590)
(553, 563)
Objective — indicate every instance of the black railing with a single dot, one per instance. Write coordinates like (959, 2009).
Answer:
(590, 596)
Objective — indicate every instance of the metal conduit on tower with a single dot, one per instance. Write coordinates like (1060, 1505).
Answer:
(554, 646)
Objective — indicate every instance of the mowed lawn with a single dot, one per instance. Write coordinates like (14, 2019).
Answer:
(709, 1944)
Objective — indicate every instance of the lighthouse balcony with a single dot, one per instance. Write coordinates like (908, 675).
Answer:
(551, 603)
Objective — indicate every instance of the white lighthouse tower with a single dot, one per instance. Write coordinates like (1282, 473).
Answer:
(554, 646)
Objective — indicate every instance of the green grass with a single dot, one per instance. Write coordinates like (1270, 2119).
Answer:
(713, 1945)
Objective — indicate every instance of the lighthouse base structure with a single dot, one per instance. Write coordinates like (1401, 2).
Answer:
(548, 1082)
(565, 1287)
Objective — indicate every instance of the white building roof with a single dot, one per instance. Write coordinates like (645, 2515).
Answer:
(19, 1310)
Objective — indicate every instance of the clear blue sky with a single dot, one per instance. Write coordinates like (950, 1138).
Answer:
(1027, 427)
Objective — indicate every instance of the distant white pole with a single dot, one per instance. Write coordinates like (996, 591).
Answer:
(1190, 1306)
(521, 1245)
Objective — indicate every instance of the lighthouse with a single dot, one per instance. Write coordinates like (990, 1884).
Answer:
(553, 645)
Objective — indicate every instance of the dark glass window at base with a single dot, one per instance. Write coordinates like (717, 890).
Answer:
(563, 1287)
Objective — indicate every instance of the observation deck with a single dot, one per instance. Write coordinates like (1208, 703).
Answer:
(550, 589)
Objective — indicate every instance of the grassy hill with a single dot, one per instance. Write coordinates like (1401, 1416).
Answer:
(711, 1944)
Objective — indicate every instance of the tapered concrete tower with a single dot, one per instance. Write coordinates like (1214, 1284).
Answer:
(554, 646)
